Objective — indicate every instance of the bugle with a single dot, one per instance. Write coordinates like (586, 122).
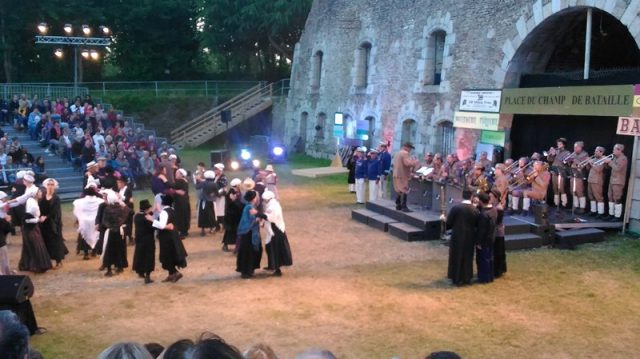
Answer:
(586, 161)
(568, 157)
(602, 160)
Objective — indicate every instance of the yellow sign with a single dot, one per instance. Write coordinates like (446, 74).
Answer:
(629, 126)
(476, 120)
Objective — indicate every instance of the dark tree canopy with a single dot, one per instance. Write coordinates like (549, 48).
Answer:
(155, 39)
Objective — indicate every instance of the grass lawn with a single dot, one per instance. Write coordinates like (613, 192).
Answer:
(359, 292)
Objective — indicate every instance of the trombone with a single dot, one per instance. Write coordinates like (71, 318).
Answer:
(602, 160)
(568, 157)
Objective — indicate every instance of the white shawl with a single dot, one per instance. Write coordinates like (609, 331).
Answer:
(274, 215)
(86, 209)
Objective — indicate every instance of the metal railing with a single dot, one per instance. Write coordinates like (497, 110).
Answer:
(52, 90)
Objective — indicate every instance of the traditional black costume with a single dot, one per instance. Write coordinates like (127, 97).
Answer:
(463, 219)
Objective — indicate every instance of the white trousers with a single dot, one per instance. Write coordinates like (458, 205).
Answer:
(4, 261)
(374, 190)
(360, 190)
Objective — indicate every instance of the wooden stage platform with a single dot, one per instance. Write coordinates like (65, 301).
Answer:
(561, 229)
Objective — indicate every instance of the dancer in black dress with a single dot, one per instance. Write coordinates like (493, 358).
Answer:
(34, 257)
(126, 196)
(206, 213)
(250, 249)
(280, 253)
(181, 203)
(172, 252)
(51, 227)
(232, 214)
(144, 261)
(114, 217)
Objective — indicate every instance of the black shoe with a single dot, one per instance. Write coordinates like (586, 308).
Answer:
(277, 273)
(148, 280)
(245, 276)
(398, 207)
(579, 211)
(615, 219)
(593, 214)
(109, 273)
(177, 277)
(86, 257)
(225, 248)
(525, 213)
(119, 270)
(268, 268)
(169, 278)
(406, 210)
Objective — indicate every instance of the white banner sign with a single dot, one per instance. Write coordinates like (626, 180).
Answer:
(476, 120)
(480, 100)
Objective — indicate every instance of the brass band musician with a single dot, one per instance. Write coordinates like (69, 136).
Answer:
(596, 182)
(501, 183)
(539, 179)
(618, 165)
(438, 173)
(578, 177)
(518, 176)
(556, 157)
(475, 178)
(484, 161)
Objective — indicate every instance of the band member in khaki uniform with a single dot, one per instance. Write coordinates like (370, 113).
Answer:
(501, 183)
(473, 179)
(578, 176)
(452, 169)
(616, 182)
(596, 183)
(540, 181)
(518, 175)
(438, 172)
(403, 166)
(555, 157)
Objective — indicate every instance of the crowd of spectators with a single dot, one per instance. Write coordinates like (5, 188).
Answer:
(79, 131)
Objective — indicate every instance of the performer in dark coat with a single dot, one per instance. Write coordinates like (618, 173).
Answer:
(114, 217)
(499, 250)
(34, 257)
(280, 253)
(206, 213)
(485, 239)
(98, 249)
(250, 251)
(181, 203)
(463, 220)
(219, 201)
(51, 227)
(351, 166)
(144, 261)
(17, 190)
(172, 252)
(126, 196)
(232, 214)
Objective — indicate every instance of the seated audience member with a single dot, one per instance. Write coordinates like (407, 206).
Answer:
(155, 349)
(181, 349)
(212, 346)
(125, 351)
(316, 354)
(14, 336)
(260, 351)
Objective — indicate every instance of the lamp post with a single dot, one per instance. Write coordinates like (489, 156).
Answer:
(76, 42)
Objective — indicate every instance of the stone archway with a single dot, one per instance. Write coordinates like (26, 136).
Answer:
(535, 32)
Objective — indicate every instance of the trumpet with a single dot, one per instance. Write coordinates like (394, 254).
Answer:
(568, 157)
(520, 169)
(586, 161)
(551, 152)
(509, 167)
(602, 160)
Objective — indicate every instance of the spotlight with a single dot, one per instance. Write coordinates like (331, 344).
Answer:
(95, 55)
(84, 53)
(235, 165)
(86, 30)
(278, 151)
(43, 28)
(68, 29)
(256, 163)
(105, 30)
(58, 53)
(245, 154)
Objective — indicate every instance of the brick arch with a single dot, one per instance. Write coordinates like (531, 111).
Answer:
(534, 16)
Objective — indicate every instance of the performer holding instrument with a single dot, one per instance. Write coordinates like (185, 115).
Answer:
(578, 177)
(618, 164)
(539, 180)
(595, 180)
(517, 182)
(501, 183)
(557, 158)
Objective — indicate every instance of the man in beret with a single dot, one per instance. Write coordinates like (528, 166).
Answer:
(403, 165)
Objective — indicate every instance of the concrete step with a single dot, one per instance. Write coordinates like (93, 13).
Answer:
(380, 222)
(522, 241)
(571, 238)
(406, 232)
(362, 215)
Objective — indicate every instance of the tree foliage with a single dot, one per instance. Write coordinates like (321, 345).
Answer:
(156, 39)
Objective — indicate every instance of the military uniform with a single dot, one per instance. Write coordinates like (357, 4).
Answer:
(578, 177)
(616, 184)
(558, 175)
(596, 184)
(538, 189)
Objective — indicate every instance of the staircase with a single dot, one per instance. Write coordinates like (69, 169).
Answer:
(69, 180)
(209, 125)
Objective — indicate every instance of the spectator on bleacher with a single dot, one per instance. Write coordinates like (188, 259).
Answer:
(23, 113)
(34, 118)
(121, 164)
(14, 104)
(152, 146)
(9, 171)
(27, 159)
(46, 105)
(77, 131)
(88, 99)
(164, 147)
(76, 106)
(66, 145)
(102, 151)
(98, 138)
(58, 107)
(141, 142)
(88, 153)
(3, 156)
(134, 167)
(4, 111)
(39, 170)
(147, 168)
(54, 139)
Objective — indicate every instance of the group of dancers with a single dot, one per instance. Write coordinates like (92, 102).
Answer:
(239, 208)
